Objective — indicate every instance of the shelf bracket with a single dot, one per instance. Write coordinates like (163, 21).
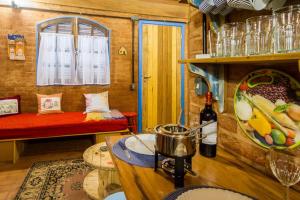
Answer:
(214, 77)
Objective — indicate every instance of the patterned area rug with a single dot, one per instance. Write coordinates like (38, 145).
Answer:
(55, 180)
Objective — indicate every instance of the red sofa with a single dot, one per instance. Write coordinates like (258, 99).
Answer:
(15, 128)
(31, 125)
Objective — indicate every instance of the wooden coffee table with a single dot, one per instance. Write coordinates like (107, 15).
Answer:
(104, 180)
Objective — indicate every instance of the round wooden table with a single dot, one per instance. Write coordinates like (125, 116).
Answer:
(104, 180)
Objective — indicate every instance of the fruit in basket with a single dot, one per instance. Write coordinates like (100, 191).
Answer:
(290, 133)
(269, 108)
(260, 123)
(293, 111)
(243, 110)
(269, 139)
(278, 137)
(289, 141)
(244, 86)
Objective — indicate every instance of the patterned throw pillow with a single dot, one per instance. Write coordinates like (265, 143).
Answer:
(10, 106)
(96, 102)
(49, 103)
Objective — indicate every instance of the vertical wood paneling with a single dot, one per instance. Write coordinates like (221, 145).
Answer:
(162, 96)
(178, 72)
(173, 73)
(145, 71)
(164, 72)
(155, 86)
(160, 80)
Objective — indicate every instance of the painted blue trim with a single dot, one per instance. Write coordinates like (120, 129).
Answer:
(37, 36)
(140, 77)
(140, 67)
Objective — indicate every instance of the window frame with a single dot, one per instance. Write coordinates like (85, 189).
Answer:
(75, 21)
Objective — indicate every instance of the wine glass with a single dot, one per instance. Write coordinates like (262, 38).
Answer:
(285, 165)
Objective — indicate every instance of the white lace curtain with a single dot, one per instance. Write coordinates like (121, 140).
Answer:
(58, 64)
(56, 61)
(93, 60)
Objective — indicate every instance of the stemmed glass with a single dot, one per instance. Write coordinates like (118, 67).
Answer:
(285, 165)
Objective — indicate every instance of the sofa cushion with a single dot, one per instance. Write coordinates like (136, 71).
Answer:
(10, 106)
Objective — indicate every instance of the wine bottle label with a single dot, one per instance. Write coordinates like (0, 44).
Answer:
(211, 132)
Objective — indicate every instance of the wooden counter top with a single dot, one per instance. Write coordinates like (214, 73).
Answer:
(223, 171)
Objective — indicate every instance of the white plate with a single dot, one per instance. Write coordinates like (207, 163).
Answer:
(136, 146)
(211, 194)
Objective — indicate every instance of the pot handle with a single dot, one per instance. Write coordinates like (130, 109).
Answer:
(156, 128)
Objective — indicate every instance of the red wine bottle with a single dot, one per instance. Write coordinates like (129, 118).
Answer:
(208, 145)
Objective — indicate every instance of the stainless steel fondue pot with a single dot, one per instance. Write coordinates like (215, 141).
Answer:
(175, 140)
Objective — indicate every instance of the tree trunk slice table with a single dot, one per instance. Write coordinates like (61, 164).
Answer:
(105, 179)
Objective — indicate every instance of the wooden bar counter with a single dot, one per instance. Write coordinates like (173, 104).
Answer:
(223, 171)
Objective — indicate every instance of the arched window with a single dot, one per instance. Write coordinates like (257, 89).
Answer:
(72, 51)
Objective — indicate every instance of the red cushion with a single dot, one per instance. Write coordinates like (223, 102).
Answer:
(31, 125)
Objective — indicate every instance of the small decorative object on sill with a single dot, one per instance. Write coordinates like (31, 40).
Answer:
(16, 47)
(122, 51)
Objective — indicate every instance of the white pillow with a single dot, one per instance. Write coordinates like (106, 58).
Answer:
(96, 102)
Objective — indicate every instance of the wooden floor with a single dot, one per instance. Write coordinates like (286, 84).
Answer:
(12, 175)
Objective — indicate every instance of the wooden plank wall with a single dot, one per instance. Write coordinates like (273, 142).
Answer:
(161, 87)
(19, 77)
(230, 135)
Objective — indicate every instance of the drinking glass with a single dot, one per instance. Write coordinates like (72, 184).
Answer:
(233, 37)
(219, 45)
(287, 29)
(212, 42)
(226, 39)
(259, 35)
(285, 165)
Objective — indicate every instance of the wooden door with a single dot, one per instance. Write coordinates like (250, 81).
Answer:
(161, 50)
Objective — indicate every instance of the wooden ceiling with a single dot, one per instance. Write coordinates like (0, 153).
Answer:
(163, 8)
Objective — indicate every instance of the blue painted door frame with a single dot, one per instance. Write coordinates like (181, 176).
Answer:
(140, 70)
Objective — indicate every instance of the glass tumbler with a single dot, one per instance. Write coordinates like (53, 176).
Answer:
(219, 44)
(259, 35)
(287, 29)
(212, 42)
(226, 39)
(233, 36)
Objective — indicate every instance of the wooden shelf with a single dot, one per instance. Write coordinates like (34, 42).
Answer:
(274, 58)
